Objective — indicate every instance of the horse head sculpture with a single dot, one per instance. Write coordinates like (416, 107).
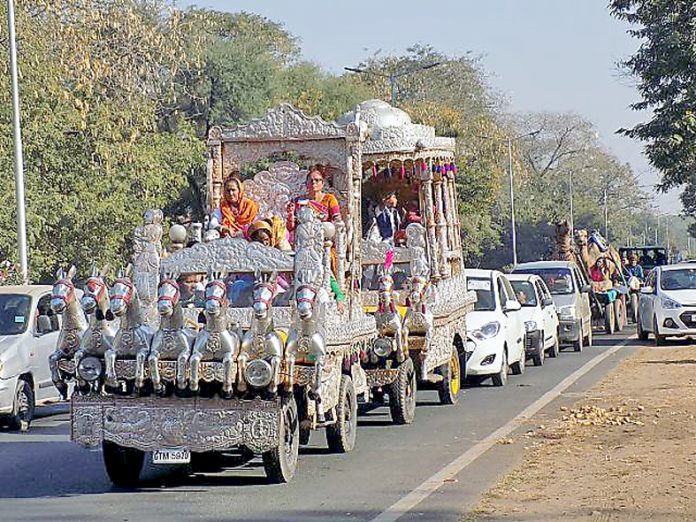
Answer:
(388, 319)
(262, 348)
(64, 302)
(419, 317)
(215, 342)
(172, 341)
(99, 338)
(134, 336)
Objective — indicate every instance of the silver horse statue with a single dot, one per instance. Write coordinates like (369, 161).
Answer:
(172, 341)
(306, 342)
(134, 336)
(262, 341)
(64, 301)
(387, 316)
(99, 337)
(419, 318)
(215, 342)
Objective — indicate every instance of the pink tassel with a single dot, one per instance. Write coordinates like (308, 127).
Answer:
(403, 171)
(388, 260)
(374, 170)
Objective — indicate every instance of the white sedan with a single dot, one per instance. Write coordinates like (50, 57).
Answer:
(495, 341)
(539, 316)
(667, 303)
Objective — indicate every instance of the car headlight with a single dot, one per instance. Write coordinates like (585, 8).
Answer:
(530, 326)
(383, 347)
(567, 312)
(258, 373)
(89, 369)
(487, 331)
(670, 304)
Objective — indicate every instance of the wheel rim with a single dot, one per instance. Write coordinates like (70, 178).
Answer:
(454, 377)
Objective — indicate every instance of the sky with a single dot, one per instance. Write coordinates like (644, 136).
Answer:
(540, 55)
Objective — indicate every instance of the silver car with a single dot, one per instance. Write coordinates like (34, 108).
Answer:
(570, 293)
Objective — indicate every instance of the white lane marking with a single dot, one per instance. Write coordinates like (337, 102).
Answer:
(427, 488)
(32, 437)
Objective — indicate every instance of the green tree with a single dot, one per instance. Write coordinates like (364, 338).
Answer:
(665, 67)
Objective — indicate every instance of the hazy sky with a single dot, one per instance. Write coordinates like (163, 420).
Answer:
(555, 55)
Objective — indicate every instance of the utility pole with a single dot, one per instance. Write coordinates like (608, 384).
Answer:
(512, 205)
(606, 217)
(18, 159)
(570, 187)
(657, 228)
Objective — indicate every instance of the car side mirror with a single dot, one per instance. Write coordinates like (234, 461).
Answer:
(647, 290)
(585, 289)
(512, 306)
(43, 325)
(547, 301)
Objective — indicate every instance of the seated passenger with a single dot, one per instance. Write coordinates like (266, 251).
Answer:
(270, 232)
(324, 205)
(388, 218)
(236, 210)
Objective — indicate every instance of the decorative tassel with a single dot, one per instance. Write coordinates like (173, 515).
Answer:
(402, 174)
(374, 170)
(388, 260)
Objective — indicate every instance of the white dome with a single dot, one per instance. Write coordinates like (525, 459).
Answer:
(377, 114)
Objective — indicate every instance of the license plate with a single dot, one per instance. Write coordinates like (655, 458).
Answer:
(171, 456)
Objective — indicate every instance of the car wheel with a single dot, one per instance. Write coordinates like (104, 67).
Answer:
(659, 339)
(556, 348)
(500, 378)
(517, 368)
(609, 321)
(22, 407)
(642, 334)
(577, 345)
(538, 357)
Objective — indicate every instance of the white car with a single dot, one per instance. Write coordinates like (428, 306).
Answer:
(28, 335)
(667, 303)
(539, 316)
(495, 328)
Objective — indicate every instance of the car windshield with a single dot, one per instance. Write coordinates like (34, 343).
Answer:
(484, 294)
(558, 280)
(524, 290)
(681, 279)
(14, 313)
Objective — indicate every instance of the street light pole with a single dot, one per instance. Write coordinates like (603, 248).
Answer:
(570, 183)
(391, 77)
(512, 205)
(18, 159)
(606, 217)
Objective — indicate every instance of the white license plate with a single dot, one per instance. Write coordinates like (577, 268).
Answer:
(171, 456)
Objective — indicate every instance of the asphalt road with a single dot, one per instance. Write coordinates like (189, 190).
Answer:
(43, 476)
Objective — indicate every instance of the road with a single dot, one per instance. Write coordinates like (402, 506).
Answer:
(449, 456)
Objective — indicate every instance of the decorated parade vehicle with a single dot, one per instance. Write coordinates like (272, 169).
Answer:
(413, 277)
(270, 350)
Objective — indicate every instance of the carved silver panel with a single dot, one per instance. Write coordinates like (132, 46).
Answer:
(381, 377)
(196, 424)
(375, 252)
(228, 255)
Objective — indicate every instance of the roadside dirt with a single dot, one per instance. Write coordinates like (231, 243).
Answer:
(626, 451)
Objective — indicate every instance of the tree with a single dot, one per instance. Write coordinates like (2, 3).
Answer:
(665, 67)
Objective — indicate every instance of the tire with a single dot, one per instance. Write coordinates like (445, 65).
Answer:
(588, 337)
(609, 321)
(280, 463)
(556, 348)
(517, 368)
(402, 394)
(123, 465)
(448, 388)
(634, 307)
(341, 436)
(620, 314)
(500, 378)
(642, 334)
(538, 358)
(577, 345)
(660, 340)
(22, 407)
(304, 436)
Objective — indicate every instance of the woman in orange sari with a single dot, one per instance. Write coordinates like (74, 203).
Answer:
(236, 210)
(324, 205)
